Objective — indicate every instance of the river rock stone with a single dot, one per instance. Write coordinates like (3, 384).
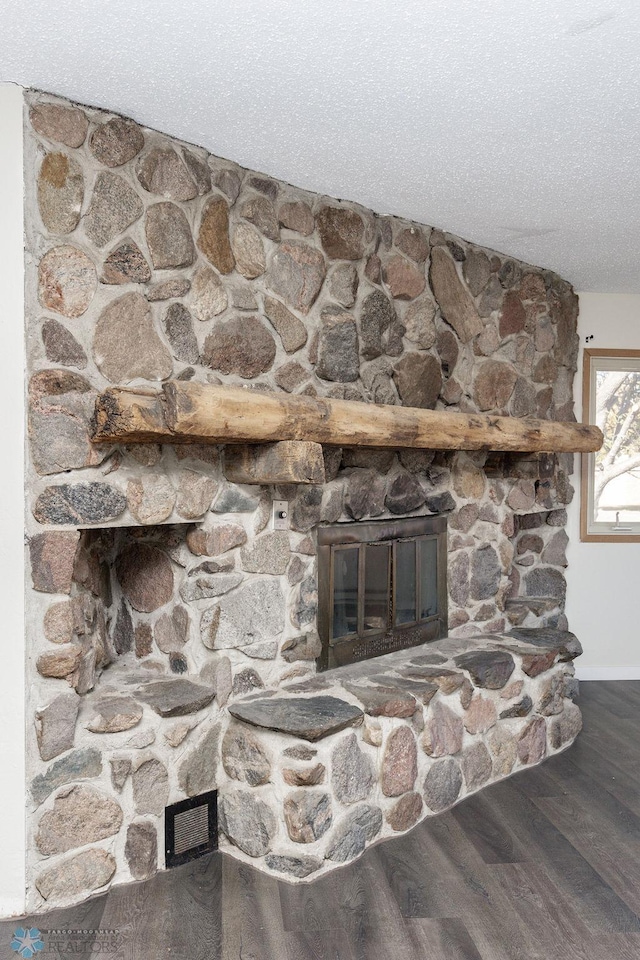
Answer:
(219, 540)
(413, 243)
(114, 206)
(76, 877)
(150, 499)
(299, 867)
(208, 296)
(352, 774)
(261, 212)
(376, 316)
(178, 328)
(168, 289)
(126, 345)
(78, 765)
(488, 668)
(341, 233)
(486, 572)
(268, 553)
(195, 493)
(418, 377)
(404, 280)
(141, 849)
(52, 558)
(60, 193)
(55, 725)
(307, 815)
(546, 582)
(176, 697)
(252, 614)
(520, 709)
(502, 744)
(296, 274)
(296, 216)
(126, 264)
(456, 304)
(365, 494)
(198, 771)
(480, 715)
(162, 171)
(555, 550)
(150, 787)
(290, 329)
(59, 623)
(310, 777)
(67, 281)
(247, 822)
(383, 702)
(61, 406)
(565, 727)
(343, 284)
(241, 346)
(351, 835)
(169, 237)
(114, 714)
(80, 815)
(400, 763)
(551, 697)
(442, 784)
(308, 718)
(248, 251)
(493, 385)
(476, 765)
(61, 346)
(145, 575)
(116, 142)
(419, 323)
(532, 742)
(60, 664)
(338, 358)
(66, 503)
(66, 125)
(405, 813)
(213, 236)
(405, 494)
(171, 630)
(243, 757)
(443, 731)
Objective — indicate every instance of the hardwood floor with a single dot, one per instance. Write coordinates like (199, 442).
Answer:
(542, 866)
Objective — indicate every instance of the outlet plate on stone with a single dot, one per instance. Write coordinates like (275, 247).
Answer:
(280, 515)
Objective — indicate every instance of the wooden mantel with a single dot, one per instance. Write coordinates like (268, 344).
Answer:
(187, 412)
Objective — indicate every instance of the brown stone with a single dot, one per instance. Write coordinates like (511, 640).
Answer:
(162, 171)
(52, 561)
(66, 125)
(141, 850)
(126, 345)
(468, 478)
(513, 315)
(242, 346)
(494, 385)
(116, 142)
(67, 281)
(456, 305)
(405, 813)
(413, 243)
(261, 212)
(443, 732)
(59, 623)
(532, 742)
(150, 498)
(114, 714)
(126, 264)
(114, 206)
(248, 250)
(343, 284)
(291, 375)
(545, 370)
(296, 274)
(61, 346)
(502, 745)
(169, 237)
(309, 777)
(291, 330)
(535, 664)
(167, 289)
(566, 727)
(60, 663)
(476, 270)
(171, 630)
(208, 295)
(400, 763)
(418, 377)
(480, 716)
(307, 815)
(419, 323)
(150, 787)
(75, 877)
(211, 543)
(213, 237)
(404, 280)
(80, 815)
(296, 216)
(60, 193)
(338, 357)
(341, 233)
(145, 575)
(373, 269)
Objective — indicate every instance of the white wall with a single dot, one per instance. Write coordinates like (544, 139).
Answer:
(603, 595)
(12, 673)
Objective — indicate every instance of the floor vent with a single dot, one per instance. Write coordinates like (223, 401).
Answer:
(191, 828)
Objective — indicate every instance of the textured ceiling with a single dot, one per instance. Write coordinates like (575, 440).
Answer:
(513, 124)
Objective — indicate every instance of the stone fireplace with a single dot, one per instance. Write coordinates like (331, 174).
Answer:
(164, 611)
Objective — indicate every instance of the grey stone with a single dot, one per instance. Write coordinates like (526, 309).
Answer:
(551, 698)
(67, 281)
(306, 647)
(419, 323)
(400, 763)
(162, 171)
(78, 765)
(532, 742)
(199, 170)
(80, 815)
(305, 610)
(126, 345)
(66, 125)
(241, 346)
(491, 298)
(145, 575)
(58, 623)
(198, 770)
(114, 206)
(351, 835)
(261, 212)
(405, 494)
(307, 509)
(440, 503)
(248, 250)
(338, 358)
(141, 850)
(486, 572)
(418, 378)
(168, 289)
(175, 698)
(246, 681)
(545, 582)
(476, 766)
(300, 752)
(208, 295)
(352, 774)
(116, 142)
(150, 498)
(476, 270)
(520, 709)
(120, 769)
(383, 702)
(243, 757)
(76, 877)
(442, 784)
(443, 731)
(290, 329)
(66, 503)
(489, 669)
(55, 725)
(296, 216)
(61, 346)
(169, 237)
(341, 233)
(299, 867)
(247, 822)
(114, 714)
(309, 718)
(376, 315)
(296, 274)
(269, 553)
(555, 550)
(205, 587)
(343, 284)
(310, 777)
(253, 614)
(243, 297)
(235, 500)
(365, 494)
(150, 787)
(229, 182)
(307, 815)
(566, 727)
(60, 423)
(60, 193)
(178, 327)
(126, 264)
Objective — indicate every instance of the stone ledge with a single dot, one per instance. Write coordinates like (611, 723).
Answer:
(415, 732)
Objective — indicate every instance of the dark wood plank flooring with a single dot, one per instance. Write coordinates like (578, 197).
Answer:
(542, 866)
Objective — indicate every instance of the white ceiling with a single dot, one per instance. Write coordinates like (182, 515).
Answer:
(513, 123)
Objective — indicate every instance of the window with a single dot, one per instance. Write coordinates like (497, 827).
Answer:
(382, 587)
(610, 492)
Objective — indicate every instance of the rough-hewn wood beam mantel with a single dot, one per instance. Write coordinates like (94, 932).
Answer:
(186, 412)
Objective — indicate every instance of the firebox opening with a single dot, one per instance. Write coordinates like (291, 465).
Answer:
(382, 586)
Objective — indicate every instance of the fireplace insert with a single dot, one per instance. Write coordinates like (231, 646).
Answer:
(382, 586)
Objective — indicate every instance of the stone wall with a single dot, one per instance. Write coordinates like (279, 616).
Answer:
(149, 259)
